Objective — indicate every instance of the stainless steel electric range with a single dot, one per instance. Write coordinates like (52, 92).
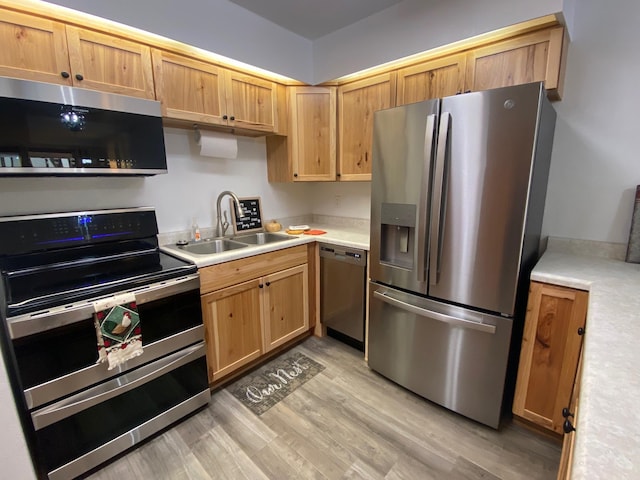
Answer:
(76, 413)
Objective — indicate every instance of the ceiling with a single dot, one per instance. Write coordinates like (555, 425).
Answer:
(314, 18)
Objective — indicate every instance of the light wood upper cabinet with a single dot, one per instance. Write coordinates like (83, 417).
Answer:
(308, 153)
(533, 57)
(189, 89)
(233, 328)
(286, 306)
(201, 92)
(48, 51)
(551, 346)
(33, 48)
(110, 64)
(251, 103)
(434, 79)
(357, 101)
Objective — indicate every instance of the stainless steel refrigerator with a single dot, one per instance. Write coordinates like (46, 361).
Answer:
(457, 199)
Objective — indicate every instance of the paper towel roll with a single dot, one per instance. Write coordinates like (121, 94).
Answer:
(216, 144)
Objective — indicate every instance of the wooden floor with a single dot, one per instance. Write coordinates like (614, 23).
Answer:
(346, 422)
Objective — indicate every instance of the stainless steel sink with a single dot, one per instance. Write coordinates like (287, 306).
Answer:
(261, 238)
(217, 245)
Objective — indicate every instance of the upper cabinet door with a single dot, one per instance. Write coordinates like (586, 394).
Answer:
(251, 103)
(434, 79)
(189, 89)
(313, 133)
(533, 57)
(110, 64)
(33, 48)
(357, 102)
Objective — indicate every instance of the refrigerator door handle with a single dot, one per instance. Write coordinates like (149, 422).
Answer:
(441, 317)
(422, 216)
(438, 193)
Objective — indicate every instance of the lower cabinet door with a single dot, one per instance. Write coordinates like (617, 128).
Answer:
(233, 331)
(286, 305)
(551, 346)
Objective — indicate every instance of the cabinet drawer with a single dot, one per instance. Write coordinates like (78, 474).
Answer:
(236, 271)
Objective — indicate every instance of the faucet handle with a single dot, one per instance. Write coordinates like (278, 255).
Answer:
(225, 223)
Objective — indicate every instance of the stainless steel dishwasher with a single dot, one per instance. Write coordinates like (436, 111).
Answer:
(342, 293)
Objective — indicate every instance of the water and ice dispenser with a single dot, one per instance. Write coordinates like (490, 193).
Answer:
(397, 234)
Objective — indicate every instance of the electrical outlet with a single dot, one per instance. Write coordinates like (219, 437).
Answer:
(338, 200)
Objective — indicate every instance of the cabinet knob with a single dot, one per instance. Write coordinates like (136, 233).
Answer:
(260, 285)
(232, 117)
(567, 427)
(268, 283)
(295, 174)
(580, 331)
(566, 413)
(224, 117)
(65, 74)
(79, 77)
(337, 174)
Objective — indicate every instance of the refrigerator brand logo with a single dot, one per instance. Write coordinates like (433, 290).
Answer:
(509, 104)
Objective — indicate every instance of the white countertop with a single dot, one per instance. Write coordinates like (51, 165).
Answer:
(344, 236)
(608, 428)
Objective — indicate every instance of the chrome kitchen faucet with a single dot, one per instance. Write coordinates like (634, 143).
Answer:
(221, 226)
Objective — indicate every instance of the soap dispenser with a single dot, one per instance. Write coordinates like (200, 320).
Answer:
(195, 230)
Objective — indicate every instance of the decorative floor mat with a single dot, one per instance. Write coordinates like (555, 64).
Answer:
(262, 389)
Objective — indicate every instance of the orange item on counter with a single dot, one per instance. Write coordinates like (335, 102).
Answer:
(315, 232)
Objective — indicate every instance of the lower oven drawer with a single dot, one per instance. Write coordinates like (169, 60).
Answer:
(84, 430)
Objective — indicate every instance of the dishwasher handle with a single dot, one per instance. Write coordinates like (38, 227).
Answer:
(343, 254)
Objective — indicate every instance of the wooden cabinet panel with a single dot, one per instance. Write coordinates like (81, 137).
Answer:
(233, 329)
(313, 132)
(551, 346)
(200, 92)
(230, 273)
(433, 79)
(188, 89)
(251, 103)
(253, 305)
(308, 153)
(357, 102)
(528, 58)
(33, 48)
(286, 306)
(569, 440)
(110, 64)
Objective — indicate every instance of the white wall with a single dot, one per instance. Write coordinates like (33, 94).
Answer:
(595, 166)
(218, 26)
(414, 26)
(189, 189)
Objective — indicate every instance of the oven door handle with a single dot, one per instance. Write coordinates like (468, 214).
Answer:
(124, 383)
(28, 324)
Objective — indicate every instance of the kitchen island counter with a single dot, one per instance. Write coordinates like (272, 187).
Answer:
(608, 426)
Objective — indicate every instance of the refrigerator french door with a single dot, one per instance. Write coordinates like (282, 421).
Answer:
(458, 190)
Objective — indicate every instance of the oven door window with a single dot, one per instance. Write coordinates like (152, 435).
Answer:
(61, 351)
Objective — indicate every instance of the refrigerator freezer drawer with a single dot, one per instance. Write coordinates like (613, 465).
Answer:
(450, 355)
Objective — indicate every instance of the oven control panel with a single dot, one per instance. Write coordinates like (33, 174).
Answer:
(33, 233)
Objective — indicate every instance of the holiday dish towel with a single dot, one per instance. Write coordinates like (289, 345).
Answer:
(118, 329)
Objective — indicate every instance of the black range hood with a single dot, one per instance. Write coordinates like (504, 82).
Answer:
(54, 130)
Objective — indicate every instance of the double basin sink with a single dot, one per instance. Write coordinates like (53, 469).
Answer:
(219, 245)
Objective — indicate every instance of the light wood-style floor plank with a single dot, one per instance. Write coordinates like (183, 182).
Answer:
(347, 422)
